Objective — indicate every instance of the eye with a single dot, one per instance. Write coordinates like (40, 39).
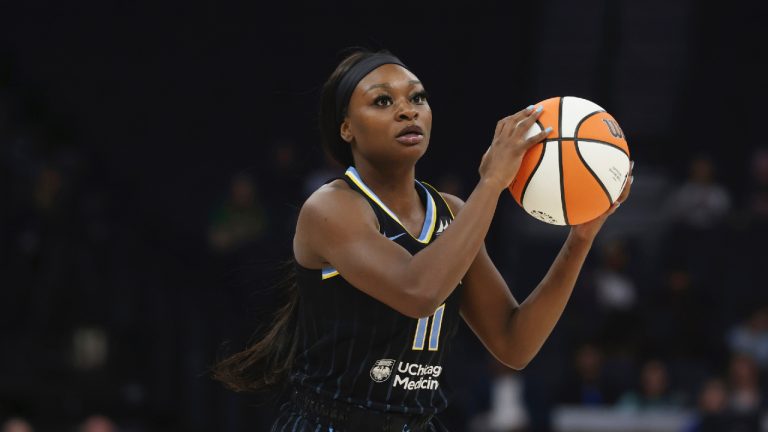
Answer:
(382, 100)
(420, 97)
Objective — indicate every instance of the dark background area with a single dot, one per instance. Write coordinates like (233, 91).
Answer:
(128, 129)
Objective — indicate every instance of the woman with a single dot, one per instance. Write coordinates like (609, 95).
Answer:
(364, 336)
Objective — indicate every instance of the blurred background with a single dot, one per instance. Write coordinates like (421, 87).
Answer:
(153, 157)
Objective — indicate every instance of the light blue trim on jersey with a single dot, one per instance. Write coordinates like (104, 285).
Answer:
(329, 272)
(421, 334)
(437, 324)
(428, 227)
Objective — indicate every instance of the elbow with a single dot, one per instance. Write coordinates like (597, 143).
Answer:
(517, 365)
(514, 359)
(420, 307)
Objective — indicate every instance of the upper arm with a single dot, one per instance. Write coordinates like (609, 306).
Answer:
(338, 227)
(487, 303)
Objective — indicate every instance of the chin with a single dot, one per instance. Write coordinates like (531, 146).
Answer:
(412, 155)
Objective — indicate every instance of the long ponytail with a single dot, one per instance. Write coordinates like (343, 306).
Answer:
(266, 361)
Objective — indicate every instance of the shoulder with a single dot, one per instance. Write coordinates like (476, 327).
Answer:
(333, 200)
(331, 214)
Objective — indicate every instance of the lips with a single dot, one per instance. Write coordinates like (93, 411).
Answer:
(410, 135)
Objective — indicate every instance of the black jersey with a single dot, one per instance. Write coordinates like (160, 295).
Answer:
(356, 349)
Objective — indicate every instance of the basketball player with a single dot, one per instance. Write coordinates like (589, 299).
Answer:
(387, 266)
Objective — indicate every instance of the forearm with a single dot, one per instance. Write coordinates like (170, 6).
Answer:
(532, 322)
(442, 266)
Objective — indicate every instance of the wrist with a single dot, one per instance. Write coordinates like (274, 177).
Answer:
(492, 183)
(581, 236)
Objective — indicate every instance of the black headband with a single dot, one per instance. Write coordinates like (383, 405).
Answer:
(355, 74)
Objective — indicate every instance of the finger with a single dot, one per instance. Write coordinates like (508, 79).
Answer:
(527, 122)
(535, 139)
(516, 117)
(613, 209)
(539, 137)
(499, 127)
(627, 188)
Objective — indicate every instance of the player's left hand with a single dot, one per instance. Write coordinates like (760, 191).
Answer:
(589, 230)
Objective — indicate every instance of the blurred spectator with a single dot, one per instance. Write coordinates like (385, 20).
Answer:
(283, 178)
(678, 320)
(605, 303)
(16, 424)
(747, 255)
(240, 220)
(614, 289)
(655, 391)
(758, 199)
(751, 337)
(743, 379)
(585, 384)
(320, 175)
(695, 215)
(700, 203)
(734, 407)
(47, 189)
(98, 423)
(507, 412)
(712, 408)
(451, 184)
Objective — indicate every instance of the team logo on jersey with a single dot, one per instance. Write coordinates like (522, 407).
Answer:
(443, 225)
(382, 369)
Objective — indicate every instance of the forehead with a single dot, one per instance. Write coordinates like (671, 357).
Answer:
(389, 74)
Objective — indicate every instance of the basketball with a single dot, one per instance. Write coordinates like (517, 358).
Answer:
(580, 168)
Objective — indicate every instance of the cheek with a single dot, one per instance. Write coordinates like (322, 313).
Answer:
(427, 119)
(368, 123)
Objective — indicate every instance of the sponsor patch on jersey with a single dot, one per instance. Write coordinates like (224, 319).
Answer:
(408, 376)
(382, 369)
(414, 376)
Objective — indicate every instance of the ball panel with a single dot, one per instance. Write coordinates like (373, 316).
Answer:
(610, 165)
(574, 110)
(542, 198)
(585, 197)
(530, 161)
(603, 127)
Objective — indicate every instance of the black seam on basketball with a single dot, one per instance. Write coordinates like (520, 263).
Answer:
(590, 140)
(560, 118)
(576, 131)
(562, 182)
(533, 171)
(600, 182)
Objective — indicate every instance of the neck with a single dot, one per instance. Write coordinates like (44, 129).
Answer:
(392, 184)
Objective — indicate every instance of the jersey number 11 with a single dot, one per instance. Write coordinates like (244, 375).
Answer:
(434, 333)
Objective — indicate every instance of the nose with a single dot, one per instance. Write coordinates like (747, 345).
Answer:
(407, 112)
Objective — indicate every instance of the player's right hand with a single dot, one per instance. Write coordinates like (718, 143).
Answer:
(502, 160)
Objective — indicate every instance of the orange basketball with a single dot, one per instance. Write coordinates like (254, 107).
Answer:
(579, 170)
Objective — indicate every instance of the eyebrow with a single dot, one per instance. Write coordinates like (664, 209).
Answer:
(388, 86)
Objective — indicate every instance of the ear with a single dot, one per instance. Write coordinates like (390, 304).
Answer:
(345, 131)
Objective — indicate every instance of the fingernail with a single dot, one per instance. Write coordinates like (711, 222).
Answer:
(617, 205)
(631, 179)
(548, 129)
(632, 165)
(539, 109)
(529, 108)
